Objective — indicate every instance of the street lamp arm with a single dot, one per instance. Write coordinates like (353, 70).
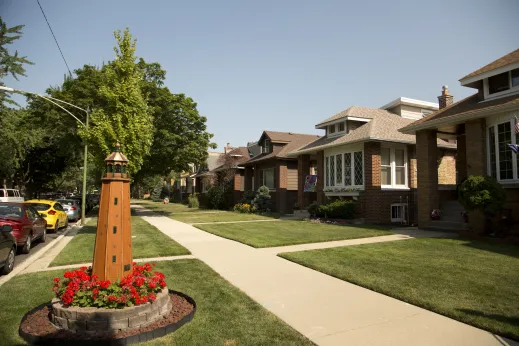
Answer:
(60, 106)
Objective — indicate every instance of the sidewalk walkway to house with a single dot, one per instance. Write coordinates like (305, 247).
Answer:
(401, 234)
(327, 310)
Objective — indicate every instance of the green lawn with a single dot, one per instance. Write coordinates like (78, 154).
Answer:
(475, 282)
(181, 212)
(147, 241)
(167, 209)
(269, 234)
(223, 216)
(225, 315)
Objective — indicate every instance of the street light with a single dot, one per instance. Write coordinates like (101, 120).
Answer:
(85, 125)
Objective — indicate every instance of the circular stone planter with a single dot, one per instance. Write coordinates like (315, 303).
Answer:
(53, 324)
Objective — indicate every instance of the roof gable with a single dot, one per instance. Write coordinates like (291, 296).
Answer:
(508, 59)
(356, 112)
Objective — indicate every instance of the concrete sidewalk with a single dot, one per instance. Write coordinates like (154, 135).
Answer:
(327, 310)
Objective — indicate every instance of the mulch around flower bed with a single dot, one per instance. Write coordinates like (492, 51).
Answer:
(37, 323)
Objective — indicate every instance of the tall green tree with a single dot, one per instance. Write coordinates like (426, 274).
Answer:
(17, 136)
(181, 137)
(125, 116)
(10, 63)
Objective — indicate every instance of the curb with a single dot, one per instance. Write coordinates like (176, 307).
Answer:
(18, 269)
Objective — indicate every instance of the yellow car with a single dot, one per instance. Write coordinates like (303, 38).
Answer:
(52, 212)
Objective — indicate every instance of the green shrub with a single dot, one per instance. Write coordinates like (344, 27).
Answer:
(157, 192)
(481, 193)
(313, 209)
(263, 202)
(216, 197)
(248, 197)
(192, 201)
(339, 209)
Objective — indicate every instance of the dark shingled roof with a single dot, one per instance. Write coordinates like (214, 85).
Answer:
(508, 59)
(293, 140)
(464, 107)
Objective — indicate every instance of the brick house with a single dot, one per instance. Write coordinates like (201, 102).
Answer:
(364, 157)
(275, 169)
(483, 125)
(236, 157)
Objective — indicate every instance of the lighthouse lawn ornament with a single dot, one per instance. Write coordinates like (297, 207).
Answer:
(113, 245)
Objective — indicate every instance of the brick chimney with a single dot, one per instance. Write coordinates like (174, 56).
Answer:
(228, 148)
(445, 100)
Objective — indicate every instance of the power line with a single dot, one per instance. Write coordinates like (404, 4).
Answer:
(52, 32)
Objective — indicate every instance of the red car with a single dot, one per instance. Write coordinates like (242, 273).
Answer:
(27, 224)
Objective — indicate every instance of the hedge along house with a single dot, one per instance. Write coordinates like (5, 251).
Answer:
(275, 169)
(231, 165)
(483, 125)
(364, 157)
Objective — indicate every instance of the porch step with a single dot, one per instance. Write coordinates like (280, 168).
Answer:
(448, 225)
(452, 211)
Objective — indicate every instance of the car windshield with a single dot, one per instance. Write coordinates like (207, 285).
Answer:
(41, 206)
(11, 211)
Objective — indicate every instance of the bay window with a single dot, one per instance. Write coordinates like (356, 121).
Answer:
(344, 170)
(393, 167)
(502, 162)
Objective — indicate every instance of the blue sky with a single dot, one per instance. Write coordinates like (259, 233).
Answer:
(280, 65)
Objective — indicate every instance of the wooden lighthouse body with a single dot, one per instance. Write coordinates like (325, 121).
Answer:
(113, 246)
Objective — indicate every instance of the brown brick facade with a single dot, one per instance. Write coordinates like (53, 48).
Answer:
(427, 171)
(319, 187)
(475, 152)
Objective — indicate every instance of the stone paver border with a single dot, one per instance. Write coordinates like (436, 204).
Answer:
(100, 319)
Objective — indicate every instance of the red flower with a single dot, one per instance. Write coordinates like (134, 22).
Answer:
(104, 284)
(95, 291)
(83, 269)
(57, 280)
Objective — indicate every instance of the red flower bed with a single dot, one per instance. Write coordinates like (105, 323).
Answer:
(81, 288)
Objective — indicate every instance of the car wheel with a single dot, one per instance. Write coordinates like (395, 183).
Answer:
(28, 243)
(66, 223)
(56, 227)
(9, 263)
(44, 236)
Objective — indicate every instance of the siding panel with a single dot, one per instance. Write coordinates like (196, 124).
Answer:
(292, 180)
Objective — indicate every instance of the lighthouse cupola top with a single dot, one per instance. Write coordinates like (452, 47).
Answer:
(116, 163)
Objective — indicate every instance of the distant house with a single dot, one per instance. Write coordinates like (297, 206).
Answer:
(364, 157)
(483, 125)
(187, 184)
(275, 169)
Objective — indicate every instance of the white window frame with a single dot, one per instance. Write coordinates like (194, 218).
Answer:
(330, 127)
(494, 122)
(393, 184)
(273, 169)
(404, 212)
(333, 156)
(511, 89)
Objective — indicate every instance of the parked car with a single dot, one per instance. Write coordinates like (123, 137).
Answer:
(52, 212)
(72, 207)
(10, 195)
(7, 249)
(27, 225)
